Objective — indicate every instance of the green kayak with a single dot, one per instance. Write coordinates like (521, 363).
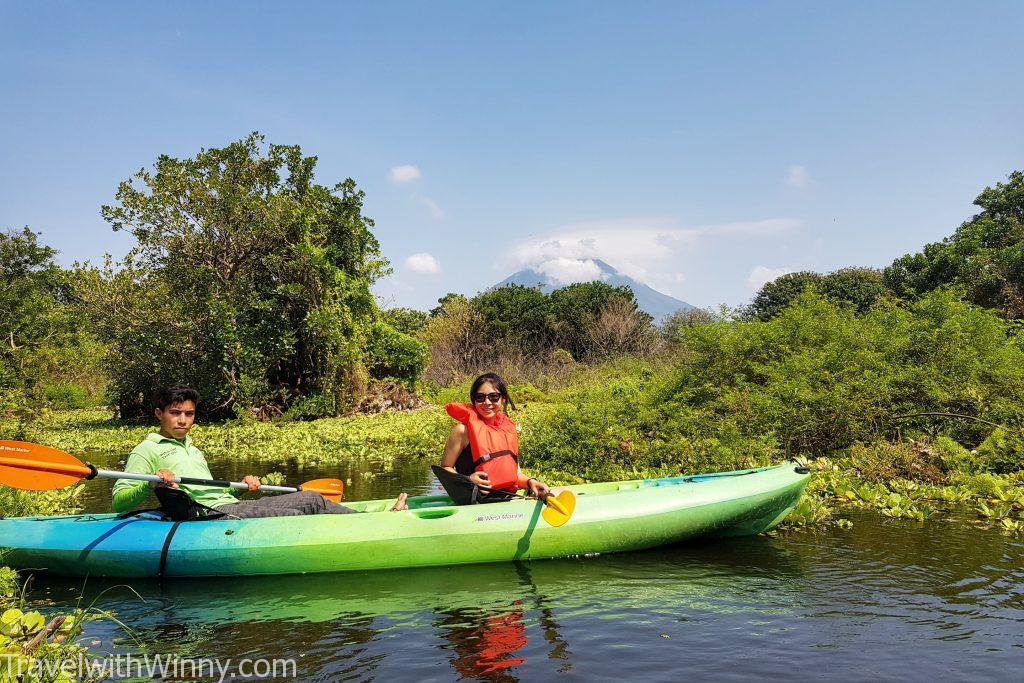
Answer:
(609, 517)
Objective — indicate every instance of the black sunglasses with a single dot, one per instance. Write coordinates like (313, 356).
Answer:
(493, 398)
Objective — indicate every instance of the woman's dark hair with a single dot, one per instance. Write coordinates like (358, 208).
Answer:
(176, 393)
(497, 381)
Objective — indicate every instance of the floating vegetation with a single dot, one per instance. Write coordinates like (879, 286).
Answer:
(885, 477)
(995, 501)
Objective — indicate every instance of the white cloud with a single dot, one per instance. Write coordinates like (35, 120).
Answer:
(762, 275)
(642, 248)
(405, 173)
(565, 271)
(436, 211)
(423, 263)
(797, 176)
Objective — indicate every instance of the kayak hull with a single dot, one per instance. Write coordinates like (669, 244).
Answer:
(609, 517)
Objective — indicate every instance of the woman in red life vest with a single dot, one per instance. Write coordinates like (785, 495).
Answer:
(484, 445)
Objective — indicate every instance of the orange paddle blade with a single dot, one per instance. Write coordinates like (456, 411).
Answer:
(331, 489)
(38, 468)
(558, 509)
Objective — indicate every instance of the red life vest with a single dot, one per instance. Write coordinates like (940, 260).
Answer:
(495, 446)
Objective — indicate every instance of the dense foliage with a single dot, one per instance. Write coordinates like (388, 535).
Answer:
(533, 331)
(858, 288)
(249, 281)
(816, 379)
(45, 353)
(984, 257)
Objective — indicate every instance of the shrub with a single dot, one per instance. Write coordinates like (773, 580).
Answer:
(882, 461)
(820, 378)
(1002, 452)
(394, 354)
(65, 395)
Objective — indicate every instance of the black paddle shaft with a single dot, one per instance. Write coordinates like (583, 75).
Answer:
(455, 477)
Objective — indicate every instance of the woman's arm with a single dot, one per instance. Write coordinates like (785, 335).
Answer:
(457, 441)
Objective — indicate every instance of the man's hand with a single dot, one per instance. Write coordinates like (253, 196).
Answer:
(253, 482)
(480, 479)
(168, 479)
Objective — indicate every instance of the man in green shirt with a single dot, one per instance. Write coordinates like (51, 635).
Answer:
(170, 453)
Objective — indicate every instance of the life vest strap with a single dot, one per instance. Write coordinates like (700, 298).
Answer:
(491, 456)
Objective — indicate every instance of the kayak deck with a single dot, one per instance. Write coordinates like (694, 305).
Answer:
(609, 517)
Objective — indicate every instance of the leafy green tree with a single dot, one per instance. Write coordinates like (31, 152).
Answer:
(514, 315)
(392, 353)
(29, 287)
(984, 257)
(249, 281)
(575, 309)
(444, 301)
(453, 335)
(777, 295)
(857, 287)
(673, 326)
(405, 320)
(44, 351)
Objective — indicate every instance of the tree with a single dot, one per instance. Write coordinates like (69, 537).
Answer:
(514, 315)
(674, 325)
(44, 352)
(618, 329)
(984, 257)
(453, 335)
(249, 281)
(777, 295)
(857, 287)
(405, 320)
(29, 284)
(443, 302)
(574, 310)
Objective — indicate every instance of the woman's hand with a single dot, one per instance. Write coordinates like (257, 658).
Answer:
(168, 479)
(253, 482)
(480, 479)
(538, 488)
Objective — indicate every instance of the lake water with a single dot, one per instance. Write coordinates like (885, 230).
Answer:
(885, 600)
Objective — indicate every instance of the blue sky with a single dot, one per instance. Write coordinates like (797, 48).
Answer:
(700, 147)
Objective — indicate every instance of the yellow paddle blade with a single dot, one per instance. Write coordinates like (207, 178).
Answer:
(558, 509)
(38, 468)
(331, 489)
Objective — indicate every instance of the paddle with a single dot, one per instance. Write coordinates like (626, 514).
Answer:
(558, 509)
(41, 468)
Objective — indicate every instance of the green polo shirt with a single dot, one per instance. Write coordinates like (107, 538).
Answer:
(181, 457)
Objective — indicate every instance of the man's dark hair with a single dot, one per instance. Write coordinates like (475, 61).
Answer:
(176, 393)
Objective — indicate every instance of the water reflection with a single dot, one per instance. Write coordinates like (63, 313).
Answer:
(492, 622)
(484, 643)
